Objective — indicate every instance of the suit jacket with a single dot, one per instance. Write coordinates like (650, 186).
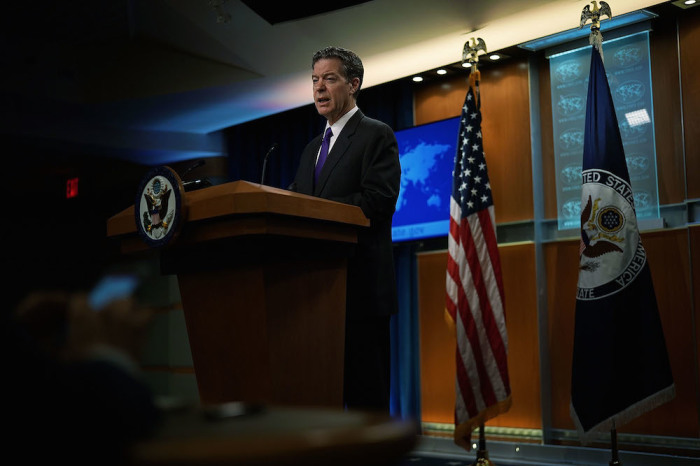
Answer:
(362, 169)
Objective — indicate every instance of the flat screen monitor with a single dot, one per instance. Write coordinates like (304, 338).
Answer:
(427, 153)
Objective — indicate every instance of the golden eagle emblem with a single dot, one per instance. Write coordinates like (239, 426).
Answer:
(471, 50)
(595, 14)
(157, 216)
(598, 228)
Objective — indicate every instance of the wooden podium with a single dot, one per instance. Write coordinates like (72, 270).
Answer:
(262, 276)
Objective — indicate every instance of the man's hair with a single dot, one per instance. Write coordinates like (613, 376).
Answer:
(352, 65)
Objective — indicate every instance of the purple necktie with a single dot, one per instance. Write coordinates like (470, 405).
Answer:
(324, 152)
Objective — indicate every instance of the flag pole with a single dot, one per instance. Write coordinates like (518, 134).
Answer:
(615, 461)
(470, 54)
(602, 301)
(596, 40)
(482, 454)
(474, 80)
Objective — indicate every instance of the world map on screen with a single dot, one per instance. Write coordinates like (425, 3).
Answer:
(427, 155)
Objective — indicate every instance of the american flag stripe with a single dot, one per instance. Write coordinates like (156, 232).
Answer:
(474, 391)
(466, 401)
(490, 267)
(474, 287)
(477, 309)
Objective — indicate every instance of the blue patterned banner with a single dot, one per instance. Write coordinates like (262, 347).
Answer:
(629, 73)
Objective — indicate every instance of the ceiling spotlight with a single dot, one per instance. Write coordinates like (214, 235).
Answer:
(466, 64)
(417, 79)
(685, 3)
(441, 71)
(495, 56)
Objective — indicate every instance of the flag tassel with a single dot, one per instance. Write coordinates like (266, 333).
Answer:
(482, 454)
(615, 461)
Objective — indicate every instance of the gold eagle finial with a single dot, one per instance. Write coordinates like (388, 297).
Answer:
(595, 38)
(470, 54)
(471, 50)
(594, 14)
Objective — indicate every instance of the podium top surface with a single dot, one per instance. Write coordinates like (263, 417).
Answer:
(243, 197)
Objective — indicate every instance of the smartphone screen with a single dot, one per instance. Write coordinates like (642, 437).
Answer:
(110, 288)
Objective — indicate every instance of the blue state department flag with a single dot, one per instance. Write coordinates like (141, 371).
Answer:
(620, 364)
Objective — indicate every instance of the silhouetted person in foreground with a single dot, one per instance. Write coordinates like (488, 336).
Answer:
(75, 395)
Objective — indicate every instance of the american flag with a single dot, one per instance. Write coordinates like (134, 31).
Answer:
(475, 298)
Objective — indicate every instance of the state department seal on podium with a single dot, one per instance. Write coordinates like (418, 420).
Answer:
(159, 207)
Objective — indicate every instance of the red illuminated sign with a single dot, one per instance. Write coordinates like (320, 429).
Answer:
(71, 188)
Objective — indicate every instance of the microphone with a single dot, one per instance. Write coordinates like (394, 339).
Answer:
(272, 148)
(194, 184)
(197, 164)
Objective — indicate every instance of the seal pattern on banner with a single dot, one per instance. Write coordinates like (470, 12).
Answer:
(610, 253)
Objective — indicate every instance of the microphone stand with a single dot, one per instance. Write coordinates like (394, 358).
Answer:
(262, 177)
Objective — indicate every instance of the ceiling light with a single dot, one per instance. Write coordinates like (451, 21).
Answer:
(494, 57)
(417, 79)
(441, 71)
(467, 64)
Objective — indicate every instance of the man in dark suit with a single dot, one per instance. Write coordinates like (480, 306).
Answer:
(361, 168)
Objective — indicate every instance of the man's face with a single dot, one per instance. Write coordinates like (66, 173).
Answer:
(332, 92)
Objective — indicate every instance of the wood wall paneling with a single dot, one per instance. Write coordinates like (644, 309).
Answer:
(667, 253)
(561, 272)
(518, 263)
(689, 38)
(435, 102)
(437, 342)
(505, 127)
(505, 110)
(668, 131)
